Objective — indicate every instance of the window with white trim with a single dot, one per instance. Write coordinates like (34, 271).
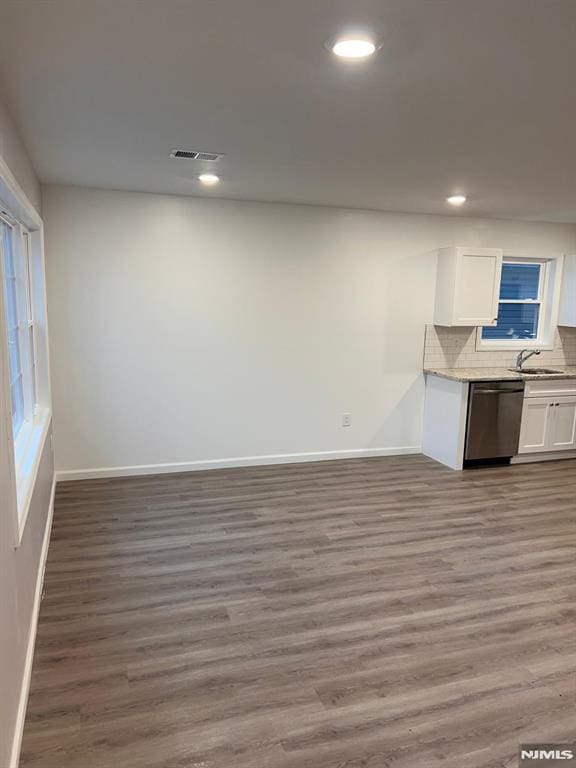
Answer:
(14, 248)
(24, 366)
(520, 304)
(528, 305)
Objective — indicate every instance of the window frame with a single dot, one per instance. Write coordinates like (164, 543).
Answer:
(26, 351)
(24, 451)
(9, 285)
(548, 300)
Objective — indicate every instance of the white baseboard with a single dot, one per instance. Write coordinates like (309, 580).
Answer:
(245, 461)
(21, 717)
(531, 458)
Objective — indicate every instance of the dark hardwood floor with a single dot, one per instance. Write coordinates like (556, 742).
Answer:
(353, 614)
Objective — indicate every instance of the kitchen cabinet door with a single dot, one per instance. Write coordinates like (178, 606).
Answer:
(568, 301)
(536, 420)
(467, 286)
(563, 425)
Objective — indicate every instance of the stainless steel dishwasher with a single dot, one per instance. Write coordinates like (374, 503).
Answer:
(494, 416)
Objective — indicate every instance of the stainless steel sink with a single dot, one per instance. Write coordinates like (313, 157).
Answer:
(535, 370)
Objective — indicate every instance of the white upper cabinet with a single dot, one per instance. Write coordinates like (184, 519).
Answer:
(467, 286)
(567, 314)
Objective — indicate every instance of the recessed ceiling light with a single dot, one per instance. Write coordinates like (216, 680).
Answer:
(456, 200)
(352, 46)
(209, 179)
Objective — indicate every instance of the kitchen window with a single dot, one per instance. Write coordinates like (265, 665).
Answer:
(19, 325)
(23, 345)
(527, 305)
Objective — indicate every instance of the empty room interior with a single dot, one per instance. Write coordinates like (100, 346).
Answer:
(287, 383)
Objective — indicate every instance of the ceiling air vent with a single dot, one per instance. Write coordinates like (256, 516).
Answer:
(188, 154)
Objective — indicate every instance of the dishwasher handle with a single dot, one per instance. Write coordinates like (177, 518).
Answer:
(497, 391)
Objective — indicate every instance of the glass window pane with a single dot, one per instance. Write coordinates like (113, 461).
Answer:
(14, 355)
(520, 281)
(11, 305)
(7, 249)
(33, 366)
(11, 287)
(515, 321)
(17, 396)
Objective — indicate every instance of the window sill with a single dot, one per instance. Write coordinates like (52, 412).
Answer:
(28, 452)
(514, 345)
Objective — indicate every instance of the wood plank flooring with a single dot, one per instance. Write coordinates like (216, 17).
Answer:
(351, 614)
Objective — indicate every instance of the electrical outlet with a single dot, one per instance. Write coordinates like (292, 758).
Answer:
(346, 420)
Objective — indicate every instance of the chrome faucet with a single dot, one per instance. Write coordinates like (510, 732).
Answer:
(522, 357)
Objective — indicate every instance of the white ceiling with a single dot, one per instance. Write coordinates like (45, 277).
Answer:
(465, 95)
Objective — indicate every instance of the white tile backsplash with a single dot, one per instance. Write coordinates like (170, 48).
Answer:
(456, 348)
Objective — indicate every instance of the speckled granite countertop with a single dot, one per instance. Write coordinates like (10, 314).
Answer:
(500, 374)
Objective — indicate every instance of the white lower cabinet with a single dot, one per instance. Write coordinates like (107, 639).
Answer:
(563, 432)
(535, 429)
(548, 424)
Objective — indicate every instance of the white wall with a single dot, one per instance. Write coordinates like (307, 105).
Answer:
(19, 566)
(14, 152)
(189, 330)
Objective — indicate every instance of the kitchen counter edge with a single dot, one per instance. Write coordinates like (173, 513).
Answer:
(499, 374)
